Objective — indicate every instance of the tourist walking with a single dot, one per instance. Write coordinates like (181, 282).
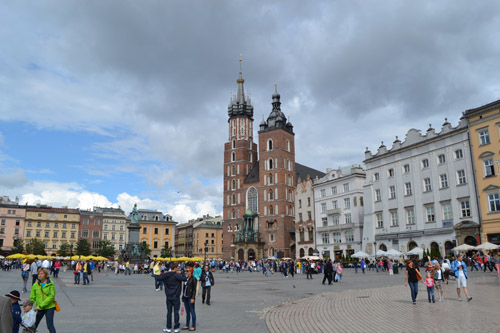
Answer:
(339, 272)
(57, 268)
(86, 271)
(389, 266)
(173, 286)
(6, 320)
(77, 272)
(439, 280)
(429, 282)
(328, 272)
(197, 275)
(356, 266)
(156, 275)
(412, 276)
(207, 281)
(43, 295)
(188, 297)
(363, 265)
(34, 271)
(15, 297)
(459, 267)
(446, 269)
(25, 274)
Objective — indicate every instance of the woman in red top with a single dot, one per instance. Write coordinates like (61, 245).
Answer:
(57, 267)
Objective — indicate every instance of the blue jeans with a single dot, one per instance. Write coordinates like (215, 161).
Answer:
(49, 319)
(430, 292)
(190, 312)
(77, 278)
(414, 290)
(173, 303)
(86, 278)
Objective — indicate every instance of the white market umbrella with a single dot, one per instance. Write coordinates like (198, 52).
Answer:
(463, 247)
(381, 253)
(416, 252)
(2, 257)
(311, 258)
(394, 253)
(360, 254)
(487, 246)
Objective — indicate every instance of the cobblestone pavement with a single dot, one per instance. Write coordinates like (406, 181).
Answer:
(250, 301)
(390, 309)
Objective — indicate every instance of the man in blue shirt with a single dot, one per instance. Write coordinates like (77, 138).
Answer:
(460, 268)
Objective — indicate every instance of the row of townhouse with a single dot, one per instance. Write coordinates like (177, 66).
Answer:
(200, 237)
(434, 190)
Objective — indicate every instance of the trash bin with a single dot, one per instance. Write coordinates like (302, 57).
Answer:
(395, 268)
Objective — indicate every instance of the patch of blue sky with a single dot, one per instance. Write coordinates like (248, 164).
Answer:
(57, 73)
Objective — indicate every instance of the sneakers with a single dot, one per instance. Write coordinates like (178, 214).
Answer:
(177, 330)
(158, 289)
(433, 301)
(167, 330)
(459, 299)
(414, 303)
(468, 299)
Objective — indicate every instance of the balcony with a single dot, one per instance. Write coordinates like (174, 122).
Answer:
(338, 227)
(335, 211)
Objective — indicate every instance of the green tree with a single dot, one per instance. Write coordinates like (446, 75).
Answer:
(18, 246)
(64, 250)
(83, 247)
(105, 248)
(166, 252)
(36, 246)
(146, 248)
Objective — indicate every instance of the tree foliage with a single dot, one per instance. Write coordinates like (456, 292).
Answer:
(166, 252)
(64, 250)
(18, 246)
(146, 248)
(36, 246)
(83, 247)
(105, 248)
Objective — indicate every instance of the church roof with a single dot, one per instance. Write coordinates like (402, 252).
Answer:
(301, 171)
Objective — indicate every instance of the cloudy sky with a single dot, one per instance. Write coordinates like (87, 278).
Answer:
(111, 103)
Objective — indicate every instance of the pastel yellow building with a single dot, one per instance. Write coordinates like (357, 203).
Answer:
(53, 226)
(484, 132)
(207, 237)
(157, 230)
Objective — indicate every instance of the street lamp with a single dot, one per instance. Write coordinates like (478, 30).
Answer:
(375, 243)
(206, 250)
(71, 249)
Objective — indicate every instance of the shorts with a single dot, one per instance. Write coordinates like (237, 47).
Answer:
(461, 281)
(438, 284)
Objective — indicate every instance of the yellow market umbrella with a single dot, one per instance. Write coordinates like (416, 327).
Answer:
(196, 259)
(101, 258)
(75, 257)
(16, 256)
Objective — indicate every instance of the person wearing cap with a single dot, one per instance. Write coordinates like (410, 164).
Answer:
(29, 317)
(15, 297)
(6, 321)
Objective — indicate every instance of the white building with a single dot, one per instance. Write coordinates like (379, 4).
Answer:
(304, 218)
(114, 227)
(339, 211)
(421, 192)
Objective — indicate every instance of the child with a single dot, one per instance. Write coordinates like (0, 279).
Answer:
(429, 267)
(15, 297)
(29, 317)
(429, 281)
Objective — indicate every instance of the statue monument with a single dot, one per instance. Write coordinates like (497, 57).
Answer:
(134, 251)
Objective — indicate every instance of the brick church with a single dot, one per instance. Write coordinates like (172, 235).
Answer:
(259, 186)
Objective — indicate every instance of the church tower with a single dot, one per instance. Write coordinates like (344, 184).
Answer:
(277, 182)
(240, 155)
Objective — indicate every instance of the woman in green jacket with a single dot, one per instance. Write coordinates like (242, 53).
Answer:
(43, 294)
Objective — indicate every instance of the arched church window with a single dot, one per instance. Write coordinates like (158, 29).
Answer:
(233, 171)
(233, 214)
(234, 184)
(271, 210)
(252, 199)
(270, 164)
(269, 144)
(234, 200)
(271, 195)
(270, 178)
(233, 157)
(287, 145)
(234, 144)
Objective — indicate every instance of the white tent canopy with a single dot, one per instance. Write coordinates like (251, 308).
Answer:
(360, 254)
(463, 247)
(380, 253)
(394, 253)
(416, 252)
(487, 246)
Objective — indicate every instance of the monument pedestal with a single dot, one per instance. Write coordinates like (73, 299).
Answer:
(134, 251)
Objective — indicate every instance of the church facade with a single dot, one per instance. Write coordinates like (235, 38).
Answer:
(259, 182)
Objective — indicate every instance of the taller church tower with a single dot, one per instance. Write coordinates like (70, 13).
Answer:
(240, 155)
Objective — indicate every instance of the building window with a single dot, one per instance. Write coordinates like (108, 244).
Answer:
(406, 168)
(301, 236)
(494, 202)
(489, 168)
(308, 202)
(39, 224)
(380, 220)
(63, 235)
(38, 234)
(64, 226)
(348, 218)
(429, 214)
(156, 231)
(55, 234)
(85, 221)
(335, 220)
(56, 225)
(465, 208)
(323, 208)
(326, 238)
(155, 244)
(337, 238)
(252, 199)
(444, 180)
(29, 224)
(121, 237)
(269, 144)
(46, 244)
(410, 216)
(73, 226)
(16, 231)
(335, 204)
(376, 176)
(484, 137)
(2, 231)
(425, 163)
(394, 218)
(72, 235)
(407, 188)
(390, 173)
(461, 177)
(324, 220)
(144, 230)
(3, 222)
(459, 154)
(447, 212)
(300, 203)
(28, 233)
(392, 192)
(300, 217)
(46, 234)
(85, 233)
(323, 193)
(166, 231)
(378, 195)
(347, 203)
(97, 222)
(441, 159)
(427, 185)
(309, 215)
(95, 234)
(346, 187)
(121, 228)
(47, 225)
(334, 190)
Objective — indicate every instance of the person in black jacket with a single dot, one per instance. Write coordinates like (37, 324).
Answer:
(207, 281)
(328, 272)
(172, 281)
(188, 295)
